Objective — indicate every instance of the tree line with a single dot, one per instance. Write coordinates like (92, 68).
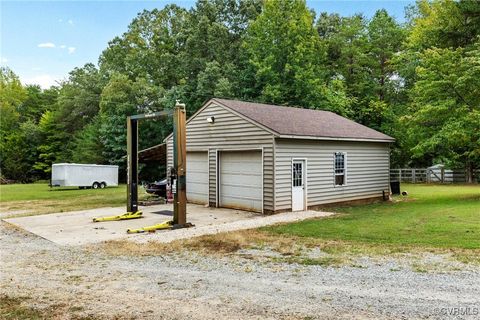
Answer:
(418, 81)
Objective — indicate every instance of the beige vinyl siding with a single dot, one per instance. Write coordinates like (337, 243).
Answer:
(367, 170)
(212, 167)
(229, 132)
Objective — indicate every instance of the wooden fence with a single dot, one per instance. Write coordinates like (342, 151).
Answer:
(431, 175)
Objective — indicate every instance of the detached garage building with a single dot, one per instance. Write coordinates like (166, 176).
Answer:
(269, 158)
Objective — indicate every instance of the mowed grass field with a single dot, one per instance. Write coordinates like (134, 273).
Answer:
(39, 198)
(442, 216)
(438, 216)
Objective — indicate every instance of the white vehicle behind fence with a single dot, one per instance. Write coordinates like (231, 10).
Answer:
(84, 175)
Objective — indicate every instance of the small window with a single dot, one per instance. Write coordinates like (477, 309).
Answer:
(339, 168)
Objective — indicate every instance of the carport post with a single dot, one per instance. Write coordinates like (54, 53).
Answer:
(179, 163)
(132, 165)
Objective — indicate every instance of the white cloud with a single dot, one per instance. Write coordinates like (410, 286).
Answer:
(71, 50)
(3, 60)
(46, 45)
(60, 20)
(63, 46)
(45, 81)
(70, 22)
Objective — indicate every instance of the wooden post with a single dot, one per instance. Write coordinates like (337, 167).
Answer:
(132, 165)
(442, 174)
(179, 164)
(413, 175)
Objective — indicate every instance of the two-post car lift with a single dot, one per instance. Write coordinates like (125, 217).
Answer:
(179, 169)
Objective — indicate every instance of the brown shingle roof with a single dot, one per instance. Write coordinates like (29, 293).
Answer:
(290, 121)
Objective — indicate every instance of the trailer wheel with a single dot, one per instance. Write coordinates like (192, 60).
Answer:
(95, 185)
(103, 185)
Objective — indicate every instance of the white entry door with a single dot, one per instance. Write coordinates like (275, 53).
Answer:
(298, 185)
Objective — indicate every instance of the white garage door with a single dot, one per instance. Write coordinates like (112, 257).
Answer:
(197, 177)
(241, 180)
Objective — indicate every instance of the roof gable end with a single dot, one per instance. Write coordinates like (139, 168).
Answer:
(214, 102)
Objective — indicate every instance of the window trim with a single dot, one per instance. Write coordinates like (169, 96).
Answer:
(345, 170)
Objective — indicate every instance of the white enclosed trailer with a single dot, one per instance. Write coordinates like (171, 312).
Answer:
(84, 175)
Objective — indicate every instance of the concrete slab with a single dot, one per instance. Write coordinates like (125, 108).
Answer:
(77, 228)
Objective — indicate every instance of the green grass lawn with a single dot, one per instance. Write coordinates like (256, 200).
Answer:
(442, 216)
(38, 198)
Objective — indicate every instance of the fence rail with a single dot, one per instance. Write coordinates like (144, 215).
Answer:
(431, 175)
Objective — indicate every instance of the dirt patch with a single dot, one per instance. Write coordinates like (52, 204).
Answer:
(230, 242)
(12, 227)
(16, 308)
(358, 202)
(267, 247)
(128, 248)
(218, 244)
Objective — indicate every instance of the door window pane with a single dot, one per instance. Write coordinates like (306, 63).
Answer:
(339, 180)
(297, 176)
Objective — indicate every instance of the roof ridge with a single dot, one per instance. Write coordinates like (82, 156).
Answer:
(298, 107)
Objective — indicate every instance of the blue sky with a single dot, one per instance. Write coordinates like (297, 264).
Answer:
(42, 41)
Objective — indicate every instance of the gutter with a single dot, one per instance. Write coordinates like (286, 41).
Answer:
(284, 136)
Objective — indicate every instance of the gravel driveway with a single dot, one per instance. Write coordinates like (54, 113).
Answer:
(191, 286)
